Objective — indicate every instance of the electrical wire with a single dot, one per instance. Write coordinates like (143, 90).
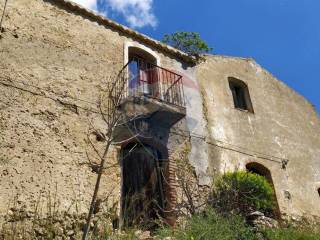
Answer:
(8, 84)
(230, 146)
(236, 148)
(49, 91)
(254, 154)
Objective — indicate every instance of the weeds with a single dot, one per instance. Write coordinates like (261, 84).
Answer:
(210, 225)
(293, 233)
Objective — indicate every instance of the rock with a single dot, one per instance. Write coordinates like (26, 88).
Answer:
(58, 230)
(296, 218)
(29, 214)
(264, 222)
(70, 233)
(142, 235)
(259, 220)
(10, 212)
(255, 214)
(39, 231)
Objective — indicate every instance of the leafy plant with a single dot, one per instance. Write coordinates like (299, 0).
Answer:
(188, 42)
(210, 225)
(242, 193)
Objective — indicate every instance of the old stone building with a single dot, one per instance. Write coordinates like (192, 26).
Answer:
(56, 59)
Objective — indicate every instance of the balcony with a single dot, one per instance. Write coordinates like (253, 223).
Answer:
(150, 92)
(142, 83)
(139, 78)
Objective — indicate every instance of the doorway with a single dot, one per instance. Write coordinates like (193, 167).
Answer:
(142, 200)
(261, 170)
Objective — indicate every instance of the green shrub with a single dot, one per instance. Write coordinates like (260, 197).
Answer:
(210, 225)
(242, 193)
(291, 233)
(188, 42)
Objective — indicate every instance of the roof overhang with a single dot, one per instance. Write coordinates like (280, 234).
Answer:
(78, 9)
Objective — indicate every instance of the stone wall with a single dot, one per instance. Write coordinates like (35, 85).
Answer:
(284, 127)
(54, 67)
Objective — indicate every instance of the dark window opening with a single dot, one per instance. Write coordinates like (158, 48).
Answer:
(319, 192)
(260, 170)
(238, 97)
(240, 94)
(143, 192)
(143, 72)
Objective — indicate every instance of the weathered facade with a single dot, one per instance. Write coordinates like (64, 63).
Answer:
(281, 132)
(56, 60)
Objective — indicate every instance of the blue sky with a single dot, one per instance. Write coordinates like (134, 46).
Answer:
(282, 35)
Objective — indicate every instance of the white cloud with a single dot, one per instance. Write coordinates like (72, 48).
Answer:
(137, 13)
(91, 4)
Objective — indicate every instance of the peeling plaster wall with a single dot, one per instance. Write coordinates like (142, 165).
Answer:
(193, 128)
(284, 126)
(196, 123)
(54, 65)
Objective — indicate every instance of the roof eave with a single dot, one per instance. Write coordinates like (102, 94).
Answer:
(121, 28)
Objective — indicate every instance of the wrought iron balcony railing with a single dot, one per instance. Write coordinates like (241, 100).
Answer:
(137, 79)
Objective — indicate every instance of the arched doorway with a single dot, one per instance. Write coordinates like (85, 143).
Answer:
(261, 170)
(142, 185)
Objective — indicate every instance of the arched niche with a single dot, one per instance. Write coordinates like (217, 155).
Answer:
(263, 171)
(260, 170)
(131, 48)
